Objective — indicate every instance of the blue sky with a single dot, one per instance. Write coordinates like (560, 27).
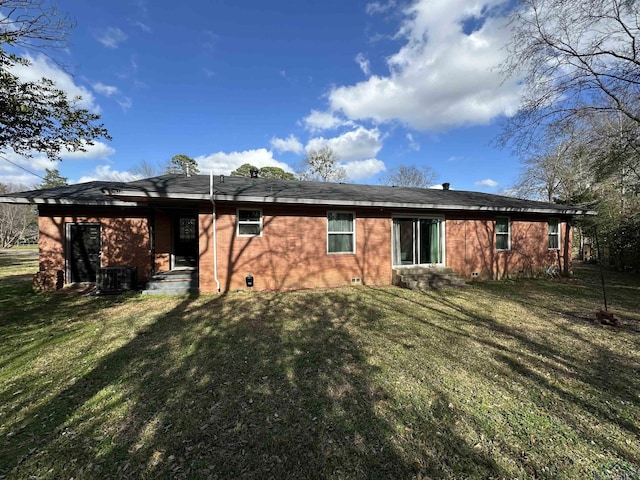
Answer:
(383, 83)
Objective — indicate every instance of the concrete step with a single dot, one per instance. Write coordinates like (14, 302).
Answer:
(159, 285)
(426, 278)
(174, 282)
(171, 291)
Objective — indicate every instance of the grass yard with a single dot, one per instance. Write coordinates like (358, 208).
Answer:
(497, 380)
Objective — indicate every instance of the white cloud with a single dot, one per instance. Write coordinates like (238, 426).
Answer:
(106, 90)
(363, 169)
(224, 163)
(12, 173)
(111, 37)
(112, 91)
(289, 144)
(317, 121)
(413, 145)
(105, 172)
(363, 63)
(40, 66)
(98, 150)
(380, 7)
(443, 76)
(357, 144)
(487, 182)
(143, 26)
(125, 103)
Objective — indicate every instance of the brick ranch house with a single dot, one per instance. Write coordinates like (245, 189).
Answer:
(290, 234)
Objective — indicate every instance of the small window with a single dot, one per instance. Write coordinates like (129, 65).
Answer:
(554, 234)
(249, 223)
(187, 228)
(503, 233)
(340, 232)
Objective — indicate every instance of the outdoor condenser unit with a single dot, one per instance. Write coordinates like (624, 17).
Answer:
(116, 279)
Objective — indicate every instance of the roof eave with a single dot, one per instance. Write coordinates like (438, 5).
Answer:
(342, 203)
(67, 201)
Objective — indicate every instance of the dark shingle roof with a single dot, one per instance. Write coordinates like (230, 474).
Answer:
(261, 190)
(89, 193)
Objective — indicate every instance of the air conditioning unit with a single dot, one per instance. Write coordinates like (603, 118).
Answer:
(116, 279)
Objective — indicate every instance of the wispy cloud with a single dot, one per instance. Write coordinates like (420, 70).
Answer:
(142, 26)
(111, 37)
(363, 63)
(113, 92)
(210, 40)
(106, 90)
(380, 7)
(413, 145)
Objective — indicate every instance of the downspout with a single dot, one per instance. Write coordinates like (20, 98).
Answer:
(215, 239)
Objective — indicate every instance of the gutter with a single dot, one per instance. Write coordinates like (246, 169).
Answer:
(64, 201)
(351, 203)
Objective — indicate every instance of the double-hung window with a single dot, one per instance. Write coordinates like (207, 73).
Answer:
(249, 223)
(554, 234)
(341, 232)
(503, 233)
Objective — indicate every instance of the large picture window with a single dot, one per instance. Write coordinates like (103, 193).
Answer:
(554, 234)
(249, 223)
(503, 233)
(341, 232)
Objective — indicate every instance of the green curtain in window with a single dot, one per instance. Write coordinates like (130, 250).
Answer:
(434, 242)
(340, 243)
(553, 234)
(502, 234)
(340, 222)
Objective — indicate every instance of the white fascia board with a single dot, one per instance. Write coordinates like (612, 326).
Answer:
(65, 201)
(342, 203)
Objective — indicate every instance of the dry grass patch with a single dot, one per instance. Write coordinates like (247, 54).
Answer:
(499, 380)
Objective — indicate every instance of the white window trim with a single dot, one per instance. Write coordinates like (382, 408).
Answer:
(557, 234)
(498, 233)
(248, 222)
(341, 233)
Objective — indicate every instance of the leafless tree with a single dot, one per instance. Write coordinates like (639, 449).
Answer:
(577, 58)
(322, 165)
(17, 222)
(410, 176)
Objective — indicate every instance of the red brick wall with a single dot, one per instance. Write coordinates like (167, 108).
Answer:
(292, 252)
(125, 240)
(163, 240)
(470, 247)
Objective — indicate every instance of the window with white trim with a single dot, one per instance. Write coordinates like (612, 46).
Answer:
(341, 236)
(554, 234)
(249, 223)
(503, 233)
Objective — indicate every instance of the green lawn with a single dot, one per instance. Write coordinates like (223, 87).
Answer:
(497, 380)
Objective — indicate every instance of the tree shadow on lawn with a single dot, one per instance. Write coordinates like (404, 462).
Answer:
(598, 382)
(268, 387)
